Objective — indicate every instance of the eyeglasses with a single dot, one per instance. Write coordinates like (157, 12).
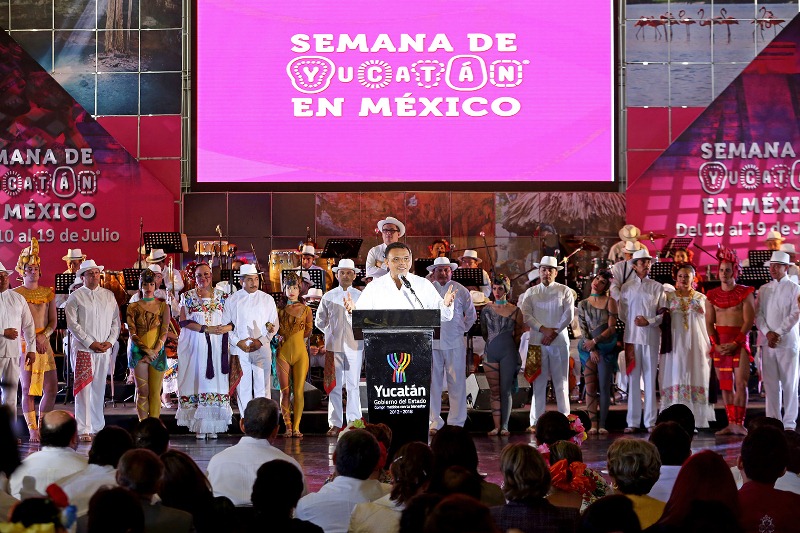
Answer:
(387, 230)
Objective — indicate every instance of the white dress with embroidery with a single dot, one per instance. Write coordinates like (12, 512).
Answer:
(204, 404)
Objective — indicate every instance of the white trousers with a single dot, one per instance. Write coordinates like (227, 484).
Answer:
(90, 400)
(256, 379)
(779, 372)
(450, 364)
(645, 370)
(555, 367)
(9, 376)
(347, 369)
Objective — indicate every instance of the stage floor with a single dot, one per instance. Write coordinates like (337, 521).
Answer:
(315, 450)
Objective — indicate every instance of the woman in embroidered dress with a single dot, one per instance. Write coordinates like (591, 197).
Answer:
(685, 371)
(205, 405)
(148, 320)
(296, 323)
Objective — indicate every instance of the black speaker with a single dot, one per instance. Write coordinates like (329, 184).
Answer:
(478, 392)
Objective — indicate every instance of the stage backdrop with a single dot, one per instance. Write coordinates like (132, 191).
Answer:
(734, 173)
(63, 178)
(356, 91)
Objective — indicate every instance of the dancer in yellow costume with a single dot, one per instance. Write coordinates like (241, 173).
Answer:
(296, 323)
(148, 322)
(39, 378)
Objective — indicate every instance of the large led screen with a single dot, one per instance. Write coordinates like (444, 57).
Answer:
(403, 91)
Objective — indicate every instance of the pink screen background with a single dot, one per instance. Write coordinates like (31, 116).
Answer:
(247, 132)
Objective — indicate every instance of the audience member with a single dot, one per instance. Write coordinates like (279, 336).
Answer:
(273, 502)
(410, 471)
(233, 470)
(151, 434)
(9, 460)
(674, 447)
(453, 445)
(790, 481)
(383, 434)
(107, 447)
(634, 466)
(140, 471)
(458, 513)
(356, 455)
(612, 514)
(763, 459)
(115, 510)
(708, 516)
(704, 477)
(526, 482)
(573, 484)
(56, 460)
(754, 422)
(681, 414)
(412, 519)
(552, 427)
(459, 480)
(37, 510)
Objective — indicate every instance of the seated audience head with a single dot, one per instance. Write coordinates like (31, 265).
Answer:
(108, 446)
(183, 485)
(9, 451)
(678, 413)
(260, 420)
(416, 511)
(553, 426)
(140, 471)
(453, 445)
(410, 470)
(610, 514)
(708, 516)
(673, 443)
(565, 449)
(634, 465)
(59, 429)
(383, 434)
(704, 476)
(764, 420)
(356, 455)
(764, 455)
(151, 434)
(31, 511)
(273, 498)
(458, 513)
(525, 474)
(793, 441)
(457, 480)
(115, 510)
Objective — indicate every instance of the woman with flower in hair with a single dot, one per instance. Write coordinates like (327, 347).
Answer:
(501, 326)
(296, 323)
(572, 483)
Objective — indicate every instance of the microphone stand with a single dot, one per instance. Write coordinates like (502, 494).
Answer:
(409, 287)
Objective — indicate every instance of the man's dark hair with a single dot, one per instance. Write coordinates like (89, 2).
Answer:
(260, 417)
(108, 446)
(673, 443)
(32, 511)
(151, 434)
(115, 510)
(357, 454)
(793, 440)
(59, 434)
(397, 246)
(277, 489)
(681, 414)
(765, 454)
(140, 470)
(9, 451)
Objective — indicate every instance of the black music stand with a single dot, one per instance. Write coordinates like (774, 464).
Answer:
(232, 276)
(169, 241)
(673, 244)
(63, 283)
(278, 297)
(61, 324)
(421, 266)
(131, 277)
(754, 276)
(317, 276)
(341, 248)
(757, 258)
(662, 272)
(468, 277)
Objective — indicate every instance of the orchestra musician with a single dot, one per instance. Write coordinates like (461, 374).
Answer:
(391, 231)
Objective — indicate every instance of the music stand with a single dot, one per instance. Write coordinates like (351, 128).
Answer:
(231, 276)
(757, 258)
(169, 241)
(61, 324)
(468, 277)
(341, 248)
(63, 283)
(317, 276)
(673, 244)
(475, 330)
(662, 272)
(421, 266)
(131, 277)
(754, 276)
(277, 296)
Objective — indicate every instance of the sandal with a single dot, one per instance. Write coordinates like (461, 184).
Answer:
(433, 432)
(602, 431)
(200, 436)
(629, 430)
(504, 433)
(333, 432)
(297, 435)
(494, 432)
(288, 433)
(86, 437)
(531, 429)
(592, 431)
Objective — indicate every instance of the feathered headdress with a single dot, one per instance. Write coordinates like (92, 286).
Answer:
(28, 256)
(728, 255)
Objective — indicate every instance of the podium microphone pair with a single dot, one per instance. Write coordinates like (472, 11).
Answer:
(408, 286)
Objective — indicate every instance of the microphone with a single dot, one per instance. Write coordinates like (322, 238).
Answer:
(408, 286)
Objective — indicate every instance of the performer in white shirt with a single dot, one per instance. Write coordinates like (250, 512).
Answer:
(622, 271)
(93, 319)
(307, 257)
(391, 230)
(348, 354)
(627, 234)
(171, 276)
(449, 351)
(470, 259)
(640, 301)
(548, 308)
(254, 317)
(15, 317)
(777, 322)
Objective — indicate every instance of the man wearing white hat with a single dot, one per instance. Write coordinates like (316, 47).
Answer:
(640, 300)
(307, 257)
(774, 240)
(449, 351)
(93, 319)
(347, 353)
(142, 261)
(793, 272)
(628, 233)
(470, 259)
(391, 230)
(171, 276)
(15, 318)
(779, 340)
(622, 271)
(255, 320)
(548, 308)
(74, 258)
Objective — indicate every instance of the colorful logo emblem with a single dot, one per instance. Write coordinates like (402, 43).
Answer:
(399, 362)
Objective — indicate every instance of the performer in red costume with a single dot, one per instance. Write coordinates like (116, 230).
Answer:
(730, 312)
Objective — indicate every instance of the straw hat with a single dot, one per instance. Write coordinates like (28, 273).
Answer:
(549, 261)
(392, 220)
(441, 261)
(88, 265)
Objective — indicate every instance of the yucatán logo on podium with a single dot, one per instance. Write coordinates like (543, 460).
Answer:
(399, 363)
